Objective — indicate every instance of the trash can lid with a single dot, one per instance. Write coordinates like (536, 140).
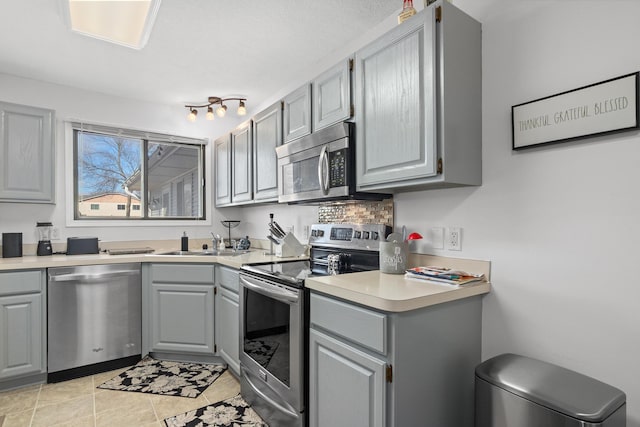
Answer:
(552, 386)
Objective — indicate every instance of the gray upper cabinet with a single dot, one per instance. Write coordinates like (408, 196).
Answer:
(222, 154)
(267, 135)
(332, 95)
(241, 165)
(297, 113)
(418, 104)
(27, 155)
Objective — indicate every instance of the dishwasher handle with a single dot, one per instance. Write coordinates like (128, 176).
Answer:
(89, 277)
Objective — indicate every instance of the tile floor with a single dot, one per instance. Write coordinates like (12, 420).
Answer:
(79, 403)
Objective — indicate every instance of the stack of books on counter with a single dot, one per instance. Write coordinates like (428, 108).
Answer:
(444, 275)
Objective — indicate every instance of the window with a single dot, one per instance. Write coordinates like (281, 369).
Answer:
(126, 174)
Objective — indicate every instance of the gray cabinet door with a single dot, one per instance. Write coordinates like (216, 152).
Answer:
(297, 113)
(228, 328)
(27, 155)
(182, 317)
(331, 92)
(395, 106)
(267, 135)
(21, 335)
(346, 385)
(241, 169)
(222, 153)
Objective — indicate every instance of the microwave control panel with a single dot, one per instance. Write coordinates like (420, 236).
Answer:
(338, 168)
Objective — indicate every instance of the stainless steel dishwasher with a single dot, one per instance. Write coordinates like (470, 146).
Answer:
(94, 319)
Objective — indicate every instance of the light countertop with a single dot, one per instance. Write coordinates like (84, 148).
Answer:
(33, 262)
(392, 292)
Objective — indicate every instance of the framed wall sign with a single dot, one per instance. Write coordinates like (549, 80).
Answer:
(601, 108)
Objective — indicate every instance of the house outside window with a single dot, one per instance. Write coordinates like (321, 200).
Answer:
(136, 175)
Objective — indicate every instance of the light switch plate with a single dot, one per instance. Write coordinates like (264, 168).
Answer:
(436, 237)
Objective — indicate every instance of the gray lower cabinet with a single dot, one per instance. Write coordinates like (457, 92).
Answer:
(22, 326)
(297, 113)
(180, 308)
(228, 317)
(222, 156)
(369, 368)
(418, 104)
(27, 155)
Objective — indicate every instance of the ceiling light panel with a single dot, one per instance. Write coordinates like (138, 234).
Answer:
(124, 22)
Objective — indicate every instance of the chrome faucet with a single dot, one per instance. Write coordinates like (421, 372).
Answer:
(215, 241)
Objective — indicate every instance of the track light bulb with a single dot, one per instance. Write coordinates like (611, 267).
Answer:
(210, 115)
(222, 110)
(192, 115)
(242, 110)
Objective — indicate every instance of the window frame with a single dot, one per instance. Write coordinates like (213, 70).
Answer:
(205, 175)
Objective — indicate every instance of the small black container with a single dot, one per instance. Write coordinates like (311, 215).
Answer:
(11, 245)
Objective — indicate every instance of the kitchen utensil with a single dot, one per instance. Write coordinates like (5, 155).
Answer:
(44, 242)
(230, 223)
(394, 237)
(277, 226)
(275, 231)
(273, 239)
(404, 233)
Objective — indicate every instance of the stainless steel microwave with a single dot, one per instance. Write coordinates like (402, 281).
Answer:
(320, 167)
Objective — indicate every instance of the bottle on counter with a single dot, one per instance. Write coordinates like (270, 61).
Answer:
(184, 242)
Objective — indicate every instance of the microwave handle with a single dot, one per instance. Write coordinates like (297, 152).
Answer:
(323, 170)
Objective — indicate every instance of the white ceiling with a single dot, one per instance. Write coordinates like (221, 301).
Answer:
(198, 48)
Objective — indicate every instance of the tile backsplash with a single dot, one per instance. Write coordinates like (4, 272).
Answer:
(359, 212)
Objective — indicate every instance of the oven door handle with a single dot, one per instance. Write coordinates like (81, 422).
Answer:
(246, 375)
(269, 290)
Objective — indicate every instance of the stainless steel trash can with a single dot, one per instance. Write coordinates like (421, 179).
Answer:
(517, 391)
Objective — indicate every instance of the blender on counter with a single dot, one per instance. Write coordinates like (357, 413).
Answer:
(44, 243)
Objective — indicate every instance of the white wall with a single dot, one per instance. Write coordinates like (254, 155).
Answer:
(560, 224)
(72, 103)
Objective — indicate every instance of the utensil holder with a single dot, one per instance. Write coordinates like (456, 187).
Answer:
(393, 257)
(289, 247)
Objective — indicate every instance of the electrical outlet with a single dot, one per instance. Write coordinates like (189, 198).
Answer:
(454, 239)
(436, 236)
(55, 234)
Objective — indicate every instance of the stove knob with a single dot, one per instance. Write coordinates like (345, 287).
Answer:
(314, 233)
(320, 233)
(374, 235)
(365, 234)
(357, 235)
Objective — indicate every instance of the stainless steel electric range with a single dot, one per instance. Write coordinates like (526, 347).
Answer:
(274, 317)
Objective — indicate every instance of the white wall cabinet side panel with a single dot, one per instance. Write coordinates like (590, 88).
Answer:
(267, 135)
(222, 155)
(297, 113)
(27, 156)
(241, 169)
(331, 92)
(347, 386)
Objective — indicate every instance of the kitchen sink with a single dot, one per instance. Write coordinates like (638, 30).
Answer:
(226, 252)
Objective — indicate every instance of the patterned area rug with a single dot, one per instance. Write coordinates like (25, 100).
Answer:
(260, 350)
(234, 412)
(166, 378)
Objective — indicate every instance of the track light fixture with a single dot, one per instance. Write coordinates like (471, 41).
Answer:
(220, 111)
